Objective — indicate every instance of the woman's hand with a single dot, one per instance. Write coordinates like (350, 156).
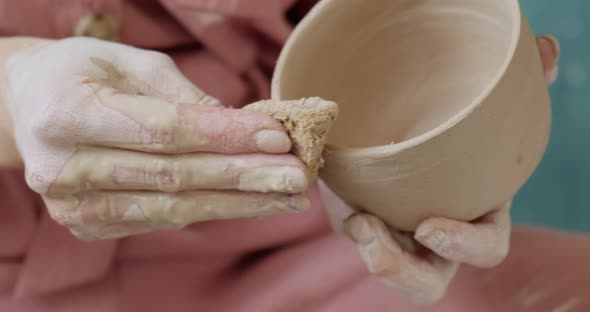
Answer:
(118, 142)
(421, 265)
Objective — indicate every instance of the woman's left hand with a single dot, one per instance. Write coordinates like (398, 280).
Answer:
(421, 265)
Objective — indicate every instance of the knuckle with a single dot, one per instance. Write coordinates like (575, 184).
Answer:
(51, 125)
(66, 218)
(159, 137)
(37, 181)
(226, 140)
(232, 136)
(160, 58)
(236, 176)
(166, 177)
(41, 128)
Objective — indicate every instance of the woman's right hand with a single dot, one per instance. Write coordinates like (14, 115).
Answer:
(118, 142)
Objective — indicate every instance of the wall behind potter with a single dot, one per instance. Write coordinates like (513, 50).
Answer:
(558, 194)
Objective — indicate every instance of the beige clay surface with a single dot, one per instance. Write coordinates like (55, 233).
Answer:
(456, 84)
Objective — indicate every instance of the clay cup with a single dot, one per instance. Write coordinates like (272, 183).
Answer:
(444, 111)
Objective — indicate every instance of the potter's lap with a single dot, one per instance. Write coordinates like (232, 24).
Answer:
(544, 269)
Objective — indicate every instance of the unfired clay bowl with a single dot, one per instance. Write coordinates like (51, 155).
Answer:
(443, 107)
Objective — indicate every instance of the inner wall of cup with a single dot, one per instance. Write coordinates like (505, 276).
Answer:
(398, 68)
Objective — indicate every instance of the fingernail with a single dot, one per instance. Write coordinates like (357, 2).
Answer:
(553, 43)
(295, 180)
(551, 76)
(299, 203)
(433, 238)
(550, 53)
(272, 141)
(273, 179)
(360, 231)
(549, 44)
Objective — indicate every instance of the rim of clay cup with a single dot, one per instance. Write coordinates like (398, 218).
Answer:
(406, 144)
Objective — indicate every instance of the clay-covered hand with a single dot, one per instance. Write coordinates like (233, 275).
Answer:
(117, 141)
(421, 265)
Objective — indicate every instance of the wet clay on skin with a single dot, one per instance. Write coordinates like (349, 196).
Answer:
(113, 155)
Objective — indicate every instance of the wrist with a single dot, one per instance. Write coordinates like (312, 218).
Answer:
(9, 46)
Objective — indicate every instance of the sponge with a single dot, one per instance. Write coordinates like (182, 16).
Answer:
(307, 122)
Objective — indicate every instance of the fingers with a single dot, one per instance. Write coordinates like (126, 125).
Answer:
(178, 128)
(423, 279)
(484, 243)
(97, 168)
(550, 52)
(156, 74)
(149, 90)
(149, 106)
(114, 214)
(155, 94)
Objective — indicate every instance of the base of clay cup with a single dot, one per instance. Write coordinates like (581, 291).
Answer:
(472, 163)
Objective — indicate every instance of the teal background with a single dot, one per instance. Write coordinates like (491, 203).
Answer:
(558, 193)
